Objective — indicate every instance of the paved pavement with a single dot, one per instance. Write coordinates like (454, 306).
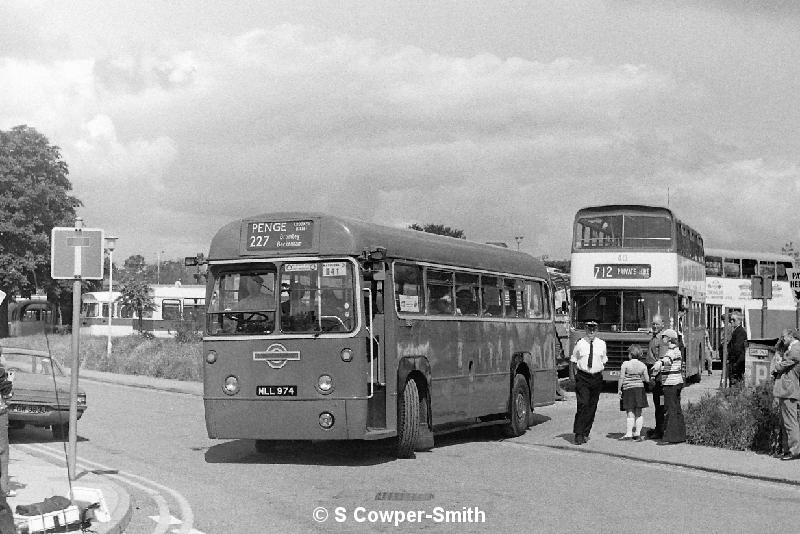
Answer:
(35, 478)
(555, 431)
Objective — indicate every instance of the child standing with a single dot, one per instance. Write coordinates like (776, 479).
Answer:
(632, 378)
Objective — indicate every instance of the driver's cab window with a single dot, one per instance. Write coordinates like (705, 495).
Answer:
(243, 302)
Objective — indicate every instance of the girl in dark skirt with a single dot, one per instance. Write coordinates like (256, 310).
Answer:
(632, 398)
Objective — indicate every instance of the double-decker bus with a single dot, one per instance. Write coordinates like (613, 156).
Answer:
(728, 289)
(172, 305)
(328, 328)
(630, 264)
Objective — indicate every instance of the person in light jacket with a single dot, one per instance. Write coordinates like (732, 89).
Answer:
(787, 390)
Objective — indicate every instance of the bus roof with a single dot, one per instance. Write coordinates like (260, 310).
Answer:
(608, 208)
(748, 254)
(337, 235)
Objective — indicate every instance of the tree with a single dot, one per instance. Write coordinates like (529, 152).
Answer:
(33, 199)
(439, 229)
(137, 295)
(135, 266)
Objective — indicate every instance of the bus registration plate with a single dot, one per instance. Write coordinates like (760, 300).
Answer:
(276, 391)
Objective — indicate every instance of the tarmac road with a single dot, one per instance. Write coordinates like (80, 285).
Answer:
(539, 482)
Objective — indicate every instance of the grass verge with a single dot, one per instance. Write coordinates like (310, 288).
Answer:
(130, 355)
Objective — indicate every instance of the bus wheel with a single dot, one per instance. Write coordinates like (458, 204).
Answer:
(520, 407)
(408, 421)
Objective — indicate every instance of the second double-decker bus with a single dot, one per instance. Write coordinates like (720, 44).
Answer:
(728, 289)
(328, 328)
(631, 263)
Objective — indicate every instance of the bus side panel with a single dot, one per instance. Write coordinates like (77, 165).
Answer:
(471, 363)
(437, 340)
(543, 365)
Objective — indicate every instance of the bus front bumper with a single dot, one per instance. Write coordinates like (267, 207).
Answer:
(287, 419)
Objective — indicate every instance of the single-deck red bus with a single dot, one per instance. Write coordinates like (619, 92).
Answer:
(328, 328)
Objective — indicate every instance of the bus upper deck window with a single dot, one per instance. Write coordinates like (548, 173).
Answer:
(748, 268)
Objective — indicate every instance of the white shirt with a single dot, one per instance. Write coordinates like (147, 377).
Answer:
(580, 355)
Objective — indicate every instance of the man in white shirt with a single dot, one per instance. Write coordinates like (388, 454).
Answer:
(589, 358)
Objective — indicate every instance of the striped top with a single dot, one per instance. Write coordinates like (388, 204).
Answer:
(633, 374)
(671, 367)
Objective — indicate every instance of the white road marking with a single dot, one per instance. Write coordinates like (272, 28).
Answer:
(175, 521)
(128, 478)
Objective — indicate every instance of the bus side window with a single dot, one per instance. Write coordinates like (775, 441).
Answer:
(467, 285)
(408, 288)
(748, 268)
(491, 297)
(536, 300)
(440, 292)
(780, 271)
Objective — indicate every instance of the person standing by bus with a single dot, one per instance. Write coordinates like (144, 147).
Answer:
(589, 358)
(656, 350)
(736, 350)
(672, 383)
(632, 398)
(786, 389)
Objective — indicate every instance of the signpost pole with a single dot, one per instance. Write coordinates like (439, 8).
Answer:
(73, 382)
(764, 315)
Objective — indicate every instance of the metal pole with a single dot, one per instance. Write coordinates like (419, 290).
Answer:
(73, 381)
(764, 314)
(110, 297)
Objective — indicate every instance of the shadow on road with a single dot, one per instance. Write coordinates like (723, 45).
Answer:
(31, 434)
(343, 453)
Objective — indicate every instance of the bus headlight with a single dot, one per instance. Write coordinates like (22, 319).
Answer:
(347, 355)
(326, 420)
(325, 384)
(211, 357)
(231, 386)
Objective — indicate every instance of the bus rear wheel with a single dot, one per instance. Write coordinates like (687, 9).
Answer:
(408, 421)
(520, 409)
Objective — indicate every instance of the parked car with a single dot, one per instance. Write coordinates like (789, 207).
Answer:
(41, 391)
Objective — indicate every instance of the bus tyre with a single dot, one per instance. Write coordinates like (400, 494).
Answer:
(520, 408)
(408, 421)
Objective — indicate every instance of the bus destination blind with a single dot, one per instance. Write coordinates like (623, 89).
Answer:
(279, 235)
(609, 271)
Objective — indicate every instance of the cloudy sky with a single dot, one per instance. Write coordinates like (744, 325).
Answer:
(500, 118)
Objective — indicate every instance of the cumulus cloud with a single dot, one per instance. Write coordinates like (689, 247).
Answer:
(189, 136)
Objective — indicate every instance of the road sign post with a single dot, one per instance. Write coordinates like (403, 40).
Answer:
(75, 254)
(794, 285)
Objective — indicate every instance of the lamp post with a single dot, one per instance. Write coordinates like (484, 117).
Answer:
(518, 238)
(158, 268)
(110, 242)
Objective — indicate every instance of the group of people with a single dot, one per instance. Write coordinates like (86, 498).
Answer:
(660, 372)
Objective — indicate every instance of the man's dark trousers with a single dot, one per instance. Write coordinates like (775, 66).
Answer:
(587, 393)
(658, 405)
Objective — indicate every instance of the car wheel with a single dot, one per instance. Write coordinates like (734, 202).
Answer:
(61, 431)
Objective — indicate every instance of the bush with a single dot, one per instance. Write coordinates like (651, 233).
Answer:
(187, 332)
(133, 355)
(738, 418)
